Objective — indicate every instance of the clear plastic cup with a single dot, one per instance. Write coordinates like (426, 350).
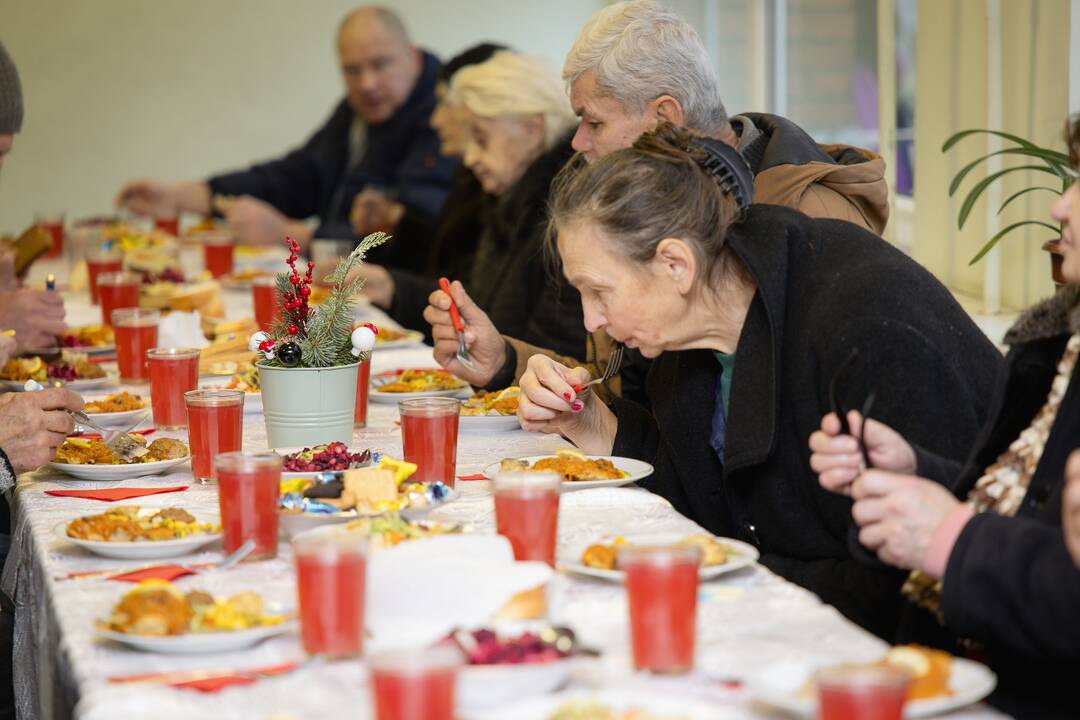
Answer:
(527, 513)
(248, 489)
(136, 333)
(215, 426)
(415, 684)
(429, 431)
(861, 692)
(331, 570)
(173, 372)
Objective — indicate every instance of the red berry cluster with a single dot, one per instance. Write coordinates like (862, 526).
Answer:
(296, 306)
(335, 456)
(487, 648)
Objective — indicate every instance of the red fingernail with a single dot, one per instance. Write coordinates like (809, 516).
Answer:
(566, 395)
(576, 406)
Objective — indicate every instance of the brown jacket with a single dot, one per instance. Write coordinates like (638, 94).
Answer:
(841, 182)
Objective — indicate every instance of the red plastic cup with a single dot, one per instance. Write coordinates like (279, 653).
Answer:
(330, 581)
(429, 430)
(415, 685)
(53, 223)
(100, 261)
(215, 426)
(218, 253)
(117, 290)
(861, 692)
(363, 380)
(168, 224)
(267, 302)
(248, 489)
(527, 513)
(136, 333)
(173, 372)
(662, 585)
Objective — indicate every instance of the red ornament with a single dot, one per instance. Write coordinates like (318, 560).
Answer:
(293, 329)
(305, 291)
(310, 265)
(372, 328)
(294, 279)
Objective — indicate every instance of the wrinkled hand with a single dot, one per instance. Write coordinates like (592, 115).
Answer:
(378, 283)
(549, 404)
(837, 460)
(1070, 506)
(148, 197)
(372, 210)
(486, 346)
(898, 514)
(255, 222)
(34, 424)
(36, 316)
(7, 348)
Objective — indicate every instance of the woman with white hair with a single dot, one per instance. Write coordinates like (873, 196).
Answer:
(520, 129)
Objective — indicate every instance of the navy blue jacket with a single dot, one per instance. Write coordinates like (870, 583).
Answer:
(402, 155)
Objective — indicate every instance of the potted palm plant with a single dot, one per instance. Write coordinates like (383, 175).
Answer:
(308, 371)
(1044, 160)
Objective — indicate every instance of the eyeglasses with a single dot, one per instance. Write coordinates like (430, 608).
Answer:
(841, 414)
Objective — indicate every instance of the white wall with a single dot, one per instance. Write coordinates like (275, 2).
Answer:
(181, 88)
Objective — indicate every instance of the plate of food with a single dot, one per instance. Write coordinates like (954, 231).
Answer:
(388, 530)
(246, 378)
(940, 683)
(392, 337)
(117, 409)
(415, 383)
(73, 370)
(719, 556)
(129, 532)
(579, 471)
(613, 704)
(337, 497)
(156, 616)
(90, 339)
(491, 411)
(242, 279)
(332, 457)
(131, 456)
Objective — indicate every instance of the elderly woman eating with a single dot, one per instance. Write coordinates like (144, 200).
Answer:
(758, 317)
(994, 568)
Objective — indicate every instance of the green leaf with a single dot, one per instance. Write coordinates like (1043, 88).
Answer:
(1044, 155)
(982, 185)
(1063, 159)
(1024, 192)
(1005, 231)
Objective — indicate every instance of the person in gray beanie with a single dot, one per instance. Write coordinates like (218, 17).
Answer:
(11, 103)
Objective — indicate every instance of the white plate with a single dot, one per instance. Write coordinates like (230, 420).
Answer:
(95, 350)
(413, 338)
(145, 549)
(194, 643)
(75, 385)
(781, 685)
(637, 470)
(117, 472)
(488, 423)
(745, 555)
(392, 398)
(117, 419)
(659, 703)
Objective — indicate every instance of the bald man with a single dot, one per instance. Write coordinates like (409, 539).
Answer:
(378, 137)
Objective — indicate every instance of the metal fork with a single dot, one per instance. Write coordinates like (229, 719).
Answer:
(459, 326)
(614, 361)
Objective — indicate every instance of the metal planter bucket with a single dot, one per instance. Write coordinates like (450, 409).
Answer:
(308, 406)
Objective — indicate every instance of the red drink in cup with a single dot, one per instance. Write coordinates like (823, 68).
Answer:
(267, 301)
(415, 685)
(136, 333)
(172, 371)
(661, 586)
(53, 223)
(527, 513)
(218, 254)
(100, 261)
(861, 692)
(429, 429)
(215, 426)
(117, 290)
(363, 380)
(248, 490)
(168, 224)
(330, 575)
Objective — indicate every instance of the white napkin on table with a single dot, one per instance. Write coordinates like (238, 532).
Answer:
(181, 330)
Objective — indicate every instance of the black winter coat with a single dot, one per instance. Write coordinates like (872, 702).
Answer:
(1010, 585)
(824, 288)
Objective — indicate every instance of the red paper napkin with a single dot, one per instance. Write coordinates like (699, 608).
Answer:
(212, 683)
(114, 494)
(158, 572)
(474, 476)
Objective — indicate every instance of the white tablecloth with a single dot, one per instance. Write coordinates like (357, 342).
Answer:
(748, 621)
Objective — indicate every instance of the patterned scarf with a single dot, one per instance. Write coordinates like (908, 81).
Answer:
(1003, 485)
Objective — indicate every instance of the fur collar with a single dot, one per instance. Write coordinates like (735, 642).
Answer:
(1055, 316)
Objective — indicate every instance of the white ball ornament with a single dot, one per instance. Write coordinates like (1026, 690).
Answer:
(363, 339)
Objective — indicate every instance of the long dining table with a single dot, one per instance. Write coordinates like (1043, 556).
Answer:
(749, 621)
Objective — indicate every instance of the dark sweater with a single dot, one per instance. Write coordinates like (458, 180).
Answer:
(1010, 584)
(824, 287)
(401, 155)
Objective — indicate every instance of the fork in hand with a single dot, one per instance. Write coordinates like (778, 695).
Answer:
(609, 371)
(459, 326)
